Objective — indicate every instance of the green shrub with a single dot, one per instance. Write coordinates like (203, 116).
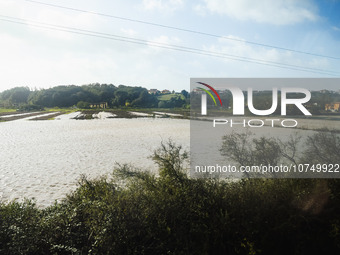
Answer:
(136, 212)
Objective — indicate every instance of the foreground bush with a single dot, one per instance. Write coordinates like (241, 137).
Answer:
(135, 212)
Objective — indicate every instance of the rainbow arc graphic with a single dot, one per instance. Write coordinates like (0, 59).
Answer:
(208, 92)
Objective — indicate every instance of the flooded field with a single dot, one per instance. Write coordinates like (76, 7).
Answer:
(44, 159)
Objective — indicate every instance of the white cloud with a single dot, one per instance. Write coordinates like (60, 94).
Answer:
(40, 15)
(167, 5)
(161, 41)
(129, 32)
(55, 17)
(270, 57)
(24, 64)
(200, 9)
(336, 28)
(244, 50)
(278, 12)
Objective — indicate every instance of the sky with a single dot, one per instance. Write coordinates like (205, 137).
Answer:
(235, 38)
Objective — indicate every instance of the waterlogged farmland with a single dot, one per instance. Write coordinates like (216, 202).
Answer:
(45, 159)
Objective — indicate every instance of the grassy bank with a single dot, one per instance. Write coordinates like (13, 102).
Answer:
(5, 110)
(168, 97)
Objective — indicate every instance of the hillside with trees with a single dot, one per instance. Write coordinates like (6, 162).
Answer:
(84, 96)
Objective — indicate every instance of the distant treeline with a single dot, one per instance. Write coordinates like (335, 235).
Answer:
(86, 95)
(128, 96)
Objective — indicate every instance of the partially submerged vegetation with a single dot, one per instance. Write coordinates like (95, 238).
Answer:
(137, 212)
(129, 113)
(86, 114)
